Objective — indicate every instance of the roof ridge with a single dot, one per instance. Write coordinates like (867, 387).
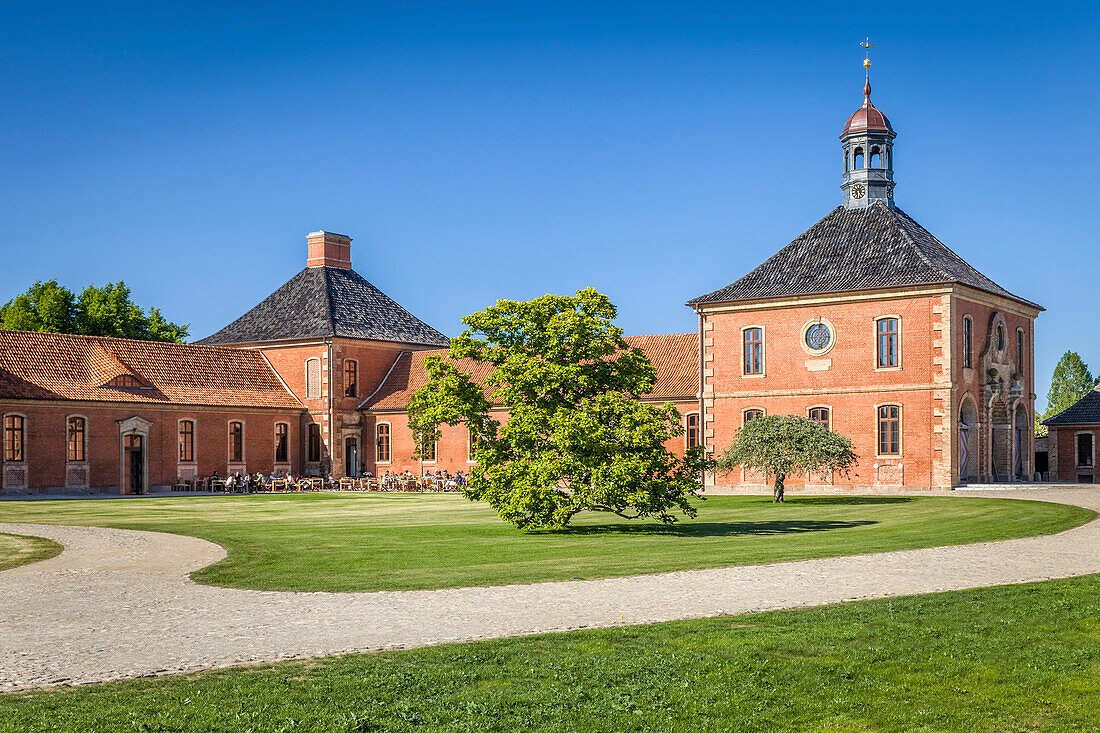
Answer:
(118, 339)
(330, 318)
(909, 237)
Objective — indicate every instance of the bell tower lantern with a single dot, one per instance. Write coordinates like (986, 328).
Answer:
(868, 141)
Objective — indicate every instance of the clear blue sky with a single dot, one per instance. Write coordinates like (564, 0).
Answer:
(478, 151)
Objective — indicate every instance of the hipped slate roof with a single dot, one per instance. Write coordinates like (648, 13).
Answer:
(1086, 411)
(675, 357)
(52, 366)
(322, 302)
(857, 249)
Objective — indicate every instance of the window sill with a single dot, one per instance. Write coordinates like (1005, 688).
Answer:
(887, 369)
(753, 376)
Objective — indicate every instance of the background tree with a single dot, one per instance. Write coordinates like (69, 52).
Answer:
(1071, 381)
(105, 311)
(577, 437)
(46, 306)
(781, 445)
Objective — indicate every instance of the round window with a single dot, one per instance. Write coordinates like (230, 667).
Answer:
(818, 337)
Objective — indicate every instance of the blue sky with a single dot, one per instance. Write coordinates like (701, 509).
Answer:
(478, 151)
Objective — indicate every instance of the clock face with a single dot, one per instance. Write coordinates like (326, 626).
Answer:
(858, 191)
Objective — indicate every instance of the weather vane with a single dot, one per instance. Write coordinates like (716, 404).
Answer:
(867, 45)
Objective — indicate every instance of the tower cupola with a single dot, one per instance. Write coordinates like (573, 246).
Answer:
(868, 141)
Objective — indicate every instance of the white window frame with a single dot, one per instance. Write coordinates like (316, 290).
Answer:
(901, 430)
(763, 353)
(874, 351)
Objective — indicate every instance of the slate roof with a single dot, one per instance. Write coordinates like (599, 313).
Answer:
(52, 366)
(322, 302)
(675, 357)
(857, 249)
(1086, 411)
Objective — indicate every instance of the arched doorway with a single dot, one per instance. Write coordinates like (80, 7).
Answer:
(1001, 443)
(351, 457)
(968, 441)
(1020, 454)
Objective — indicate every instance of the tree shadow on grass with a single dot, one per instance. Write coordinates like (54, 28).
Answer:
(713, 529)
(846, 500)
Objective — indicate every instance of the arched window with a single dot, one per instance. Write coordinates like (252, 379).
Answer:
(887, 330)
(890, 158)
(236, 441)
(889, 430)
(382, 442)
(876, 158)
(351, 377)
(968, 341)
(859, 159)
(847, 161)
(1020, 350)
(313, 379)
(754, 350)
(751, 414)
(282, 442)
(1000, 338)
(14, 429)
(692, 432)
(313, 443)
(187, 441)
(76, 433)
(820, 415)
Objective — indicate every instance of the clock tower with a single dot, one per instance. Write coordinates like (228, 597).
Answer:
(868, 141)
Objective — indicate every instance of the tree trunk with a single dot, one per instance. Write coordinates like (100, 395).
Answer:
(778, 494)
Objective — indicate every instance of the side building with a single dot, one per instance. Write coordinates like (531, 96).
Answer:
(83, 413)
(1071, 445)
(870, 325)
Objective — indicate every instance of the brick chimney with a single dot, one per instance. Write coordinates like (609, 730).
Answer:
(325, 249)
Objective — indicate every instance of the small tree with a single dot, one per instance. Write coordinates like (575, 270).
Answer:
(1071, 381)
(781, 445)
(577, 437)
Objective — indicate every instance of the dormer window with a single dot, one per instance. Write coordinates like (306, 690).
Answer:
(126, 381)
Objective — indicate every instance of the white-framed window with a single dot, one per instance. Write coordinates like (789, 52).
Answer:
(15, 438)
(1085, 450)
(382, 442)
(752, 351)
(888, 342)
(76, 434)
(282, 442)
(185, 438)
(313, 378)
(236, 441)
(751, 413)
(821, 415)
(888, 430)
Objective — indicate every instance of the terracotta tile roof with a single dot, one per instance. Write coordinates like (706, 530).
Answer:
(51, 366)
(675, 356)
(856, 249)
(1086, 411)
(320, 302)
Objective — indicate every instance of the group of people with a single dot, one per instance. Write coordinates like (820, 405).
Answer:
(245, 482)
(444, 480)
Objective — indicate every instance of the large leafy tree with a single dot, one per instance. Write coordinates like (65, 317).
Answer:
(577, 437)
(1071, 381)
(98, 311)
(782, 445)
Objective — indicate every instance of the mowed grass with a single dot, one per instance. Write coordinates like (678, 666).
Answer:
(18, 550)
(366, 542)
(1011, 658)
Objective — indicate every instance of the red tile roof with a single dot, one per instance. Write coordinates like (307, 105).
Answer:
(674, 355)
(51, 366)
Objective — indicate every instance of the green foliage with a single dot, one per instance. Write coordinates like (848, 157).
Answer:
(46, 306)
(105, 311)
(577, 438)
(781, 445)
(1071, 381)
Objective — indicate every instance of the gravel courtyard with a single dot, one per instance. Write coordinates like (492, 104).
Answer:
(119, 603)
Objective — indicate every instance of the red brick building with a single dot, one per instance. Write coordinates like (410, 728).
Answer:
(872, 326)
(866, 322)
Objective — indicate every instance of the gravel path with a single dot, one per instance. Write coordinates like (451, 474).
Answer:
(118, 603)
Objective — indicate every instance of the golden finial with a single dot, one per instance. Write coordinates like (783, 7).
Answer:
(867, 59)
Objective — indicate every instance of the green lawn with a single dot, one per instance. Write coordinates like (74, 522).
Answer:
(15, 550)
(344, 542)
(1012, 658)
